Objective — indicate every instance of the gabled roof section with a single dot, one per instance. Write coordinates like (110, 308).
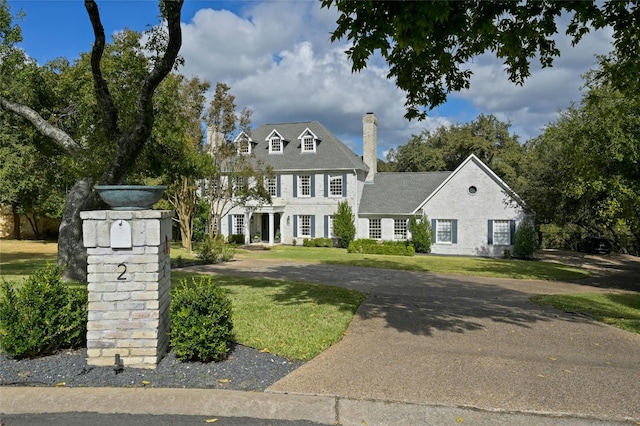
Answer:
(331, 153)
(306, 132)
(274, 133)
(472, 158)
(399, 193)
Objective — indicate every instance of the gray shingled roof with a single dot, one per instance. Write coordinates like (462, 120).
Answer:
(399, 193)
(331, 153)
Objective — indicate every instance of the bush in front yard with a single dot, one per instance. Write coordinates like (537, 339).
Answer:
(525, 241)
(42, 316)
(201, 322)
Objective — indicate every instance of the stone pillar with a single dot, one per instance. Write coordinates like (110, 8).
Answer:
(129, 283)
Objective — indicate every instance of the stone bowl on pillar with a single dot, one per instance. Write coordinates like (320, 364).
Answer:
(130, 197)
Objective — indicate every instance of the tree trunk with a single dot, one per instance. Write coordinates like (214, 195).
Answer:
(71, 250)
(17, 235)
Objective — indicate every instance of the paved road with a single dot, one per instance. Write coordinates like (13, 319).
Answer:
(465, 342)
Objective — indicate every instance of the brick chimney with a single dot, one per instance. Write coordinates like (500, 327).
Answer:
(370, 144)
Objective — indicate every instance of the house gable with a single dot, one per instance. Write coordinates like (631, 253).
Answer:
(473, 212)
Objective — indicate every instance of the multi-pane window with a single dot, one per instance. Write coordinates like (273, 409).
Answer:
(275, 144)
(399, 229)
(304, 225)
(240, 184)
(330, 226)
(501, 232)
(304, 186)
(335, 185)
(375, 229)
(443, 231)
(238, 224)
(244, 146)
(308, 144)
(272, 186)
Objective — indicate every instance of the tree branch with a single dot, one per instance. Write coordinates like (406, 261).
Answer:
(106, 106)
(59, 136)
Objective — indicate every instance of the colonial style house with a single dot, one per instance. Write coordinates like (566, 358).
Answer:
(472, 211)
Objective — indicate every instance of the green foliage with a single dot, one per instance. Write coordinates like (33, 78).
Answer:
(448, 146)
(421, 234)
(214, 250)
(344, 224)
(317, 242)
(525, 240)
(583, 170)
(201, 320)
(428, 44)
(42, 316)
(236, 239)
(395, 248)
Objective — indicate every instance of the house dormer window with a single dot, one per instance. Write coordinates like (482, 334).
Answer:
(308, 141)
(243, 144)
(276, 143)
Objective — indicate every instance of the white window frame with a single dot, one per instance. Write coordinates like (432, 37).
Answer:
(330, 227)
(244, 146)
(375, 229)
(444, 231)
(275, 145)
(399, 229)
(272, 186)
(501, 232)
(238, 225)
(335, 185)
(304, 226)
(304, 185)
(308, 143)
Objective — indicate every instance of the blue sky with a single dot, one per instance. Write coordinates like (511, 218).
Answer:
(277, 58)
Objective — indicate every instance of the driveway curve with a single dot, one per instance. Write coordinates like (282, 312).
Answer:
(457, 341)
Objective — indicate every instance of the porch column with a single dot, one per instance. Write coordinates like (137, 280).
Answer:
(247, 228)
(271, 230)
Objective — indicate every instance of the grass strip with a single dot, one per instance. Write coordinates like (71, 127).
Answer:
(456, 265)
(621, 310)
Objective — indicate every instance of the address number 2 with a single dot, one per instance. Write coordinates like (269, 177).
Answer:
(122, 268)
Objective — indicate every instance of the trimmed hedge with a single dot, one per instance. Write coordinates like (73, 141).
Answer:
(396, 248)
(42, 316)
(201, 320)
(237, 239)
(317, 242)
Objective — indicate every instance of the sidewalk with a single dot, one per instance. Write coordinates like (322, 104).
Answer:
(422, 349)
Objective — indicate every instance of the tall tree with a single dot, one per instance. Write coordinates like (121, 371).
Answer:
(448, 146)
(585, 168)
(237, 178)
(177, 150)
(127, 136)
(427, 44)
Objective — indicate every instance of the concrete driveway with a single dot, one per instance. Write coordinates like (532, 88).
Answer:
(456, 341)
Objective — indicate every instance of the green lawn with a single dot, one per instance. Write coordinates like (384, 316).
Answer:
(620, 310)
(474, 266)
(288, 318)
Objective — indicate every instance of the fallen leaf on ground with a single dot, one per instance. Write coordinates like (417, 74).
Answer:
(224, 380)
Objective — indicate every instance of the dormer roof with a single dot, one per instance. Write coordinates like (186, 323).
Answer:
(330, 152)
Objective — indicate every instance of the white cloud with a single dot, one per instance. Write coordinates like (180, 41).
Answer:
(277, 58)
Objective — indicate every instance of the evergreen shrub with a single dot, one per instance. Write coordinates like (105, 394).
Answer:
(42, 316)
(396, 248)
(201, 320)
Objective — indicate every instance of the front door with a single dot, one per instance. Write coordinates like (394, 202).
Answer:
(264, 233)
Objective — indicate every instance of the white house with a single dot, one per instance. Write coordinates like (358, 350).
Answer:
(472, 211)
